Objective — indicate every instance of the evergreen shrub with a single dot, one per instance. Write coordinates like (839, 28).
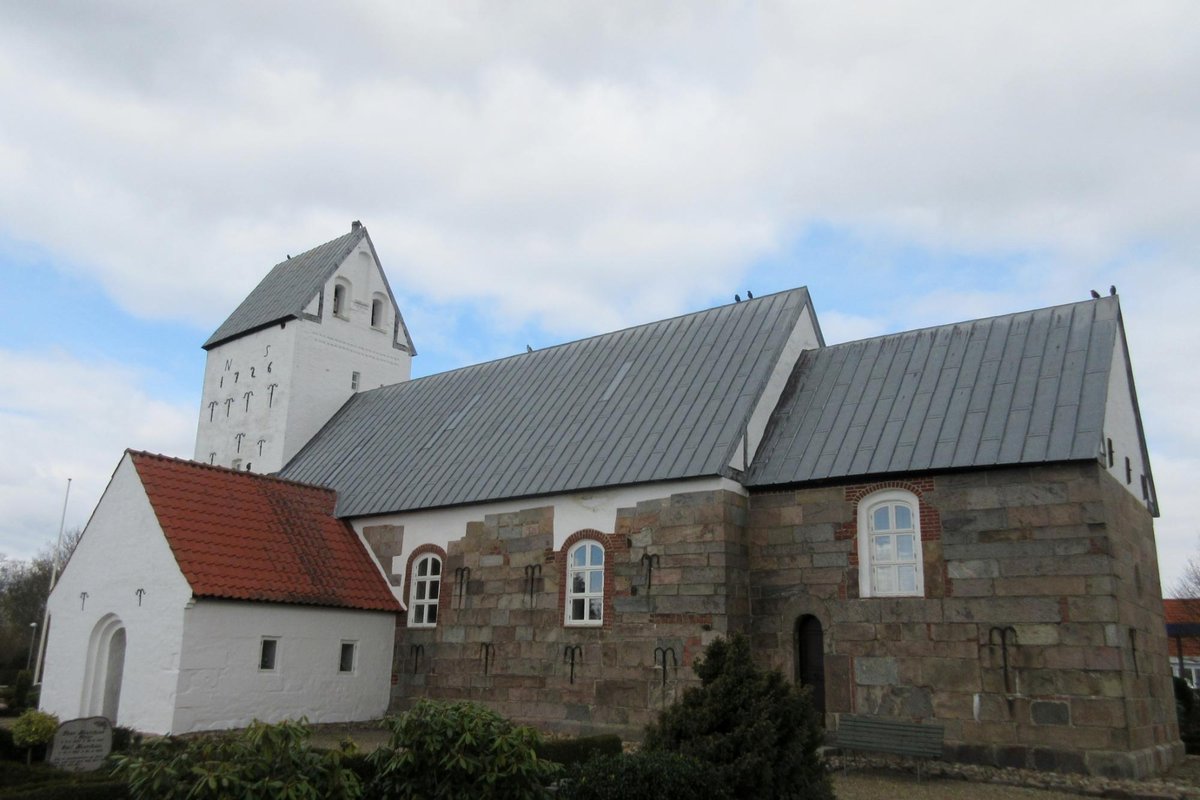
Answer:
(758, 729)
(22, 689)
(454, 750)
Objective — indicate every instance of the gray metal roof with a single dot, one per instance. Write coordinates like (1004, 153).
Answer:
(1017, 389)
(662, 401)
(287, 289)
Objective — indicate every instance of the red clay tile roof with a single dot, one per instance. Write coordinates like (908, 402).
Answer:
(243, 536)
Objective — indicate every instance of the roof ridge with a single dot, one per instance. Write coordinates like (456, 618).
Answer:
(361, 231)
(188, 462)
(638, 326)
(1010, 315)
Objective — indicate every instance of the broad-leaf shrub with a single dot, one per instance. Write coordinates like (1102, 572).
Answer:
(643, 776)
(755, 727)
(455, 750)
(262, 762)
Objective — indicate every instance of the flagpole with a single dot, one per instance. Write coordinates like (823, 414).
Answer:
(37, 670)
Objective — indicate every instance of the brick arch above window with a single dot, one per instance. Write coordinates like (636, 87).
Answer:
(417, 554)
(613, 545)
(929, 522)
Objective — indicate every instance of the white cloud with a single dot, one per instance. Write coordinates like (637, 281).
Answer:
(582, 167)
(621, 150)
(61, 418)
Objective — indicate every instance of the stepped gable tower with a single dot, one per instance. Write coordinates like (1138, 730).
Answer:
(319, 327)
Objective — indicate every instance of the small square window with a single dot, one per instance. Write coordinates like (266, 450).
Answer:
(346, 662)
(266, 656)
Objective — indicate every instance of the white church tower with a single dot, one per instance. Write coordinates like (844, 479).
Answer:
(318, 328)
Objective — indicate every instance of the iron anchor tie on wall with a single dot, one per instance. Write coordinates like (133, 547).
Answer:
(651, 560)
(1004, 634)
(487, 651)
(532, 573)
(660, 660)
(569, 654)
(417, 651)
(461, 576)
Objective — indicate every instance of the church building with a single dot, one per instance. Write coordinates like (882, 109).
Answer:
(951, 525)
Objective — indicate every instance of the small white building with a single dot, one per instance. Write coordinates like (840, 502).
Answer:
(202, 598)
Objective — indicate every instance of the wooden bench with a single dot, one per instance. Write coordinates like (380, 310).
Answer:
(887, 735)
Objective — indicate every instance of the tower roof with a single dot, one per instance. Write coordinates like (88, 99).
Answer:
(291, 285)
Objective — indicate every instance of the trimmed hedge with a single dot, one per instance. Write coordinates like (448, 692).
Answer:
(43, 782)
(576, 751)
(643, 776)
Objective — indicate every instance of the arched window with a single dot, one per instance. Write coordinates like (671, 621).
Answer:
(378, 317)
(341, 297)
(585, 584)
(889, 545)
(424, 591)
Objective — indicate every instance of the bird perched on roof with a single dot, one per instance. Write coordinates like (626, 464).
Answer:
(749, 295)
(1095, 295)
(528, 349)
(1112, 290)
(737, 298)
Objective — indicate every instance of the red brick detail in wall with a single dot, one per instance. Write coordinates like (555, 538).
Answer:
(443, 604)
(930, 519)
(612, 544)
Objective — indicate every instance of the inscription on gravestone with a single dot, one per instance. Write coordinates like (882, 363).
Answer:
(81, 745)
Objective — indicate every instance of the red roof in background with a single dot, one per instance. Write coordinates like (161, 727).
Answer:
(243, 536)
(1181, 612)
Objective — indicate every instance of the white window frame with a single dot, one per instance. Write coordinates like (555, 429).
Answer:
(590, 597)
(353, 645)
(418, 607)
(868, 563)
(262, 646)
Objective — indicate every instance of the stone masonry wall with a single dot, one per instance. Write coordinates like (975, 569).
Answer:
(676, 577)
(1051, 568)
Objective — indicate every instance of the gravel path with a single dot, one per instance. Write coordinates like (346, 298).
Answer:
(877, 785)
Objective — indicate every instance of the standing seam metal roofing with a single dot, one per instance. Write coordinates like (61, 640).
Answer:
(1022, 388)
(680, 392)
(287, 288)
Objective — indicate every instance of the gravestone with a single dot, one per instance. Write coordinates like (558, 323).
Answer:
(81, 745)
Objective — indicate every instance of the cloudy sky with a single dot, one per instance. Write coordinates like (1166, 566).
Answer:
(536, 172)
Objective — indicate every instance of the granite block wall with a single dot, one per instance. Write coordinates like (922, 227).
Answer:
(1039, 640)
(676, 577)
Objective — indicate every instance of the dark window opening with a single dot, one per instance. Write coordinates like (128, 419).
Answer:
(266, 656)
(346, 661)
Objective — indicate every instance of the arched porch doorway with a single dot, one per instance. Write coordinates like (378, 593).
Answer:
(105, 669)
(810, 659)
